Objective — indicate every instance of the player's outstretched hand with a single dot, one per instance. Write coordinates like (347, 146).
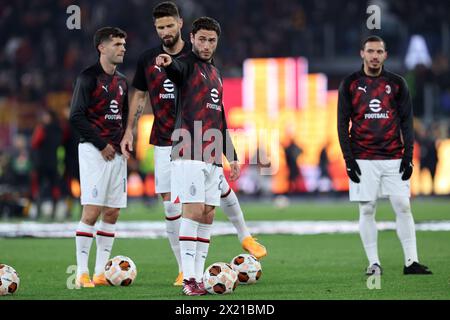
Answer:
(108, 152)
(353, 170)
(406, 166)
(126, 145)
(163, 60)
(235, 171)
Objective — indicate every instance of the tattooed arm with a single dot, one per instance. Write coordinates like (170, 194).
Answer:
(136, 109)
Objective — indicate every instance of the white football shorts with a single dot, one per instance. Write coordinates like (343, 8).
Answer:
(379, 178)
(162, 169)
(224, 187)
(103, 183)
(196, 182)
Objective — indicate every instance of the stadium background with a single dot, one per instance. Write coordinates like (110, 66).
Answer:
(282, 64)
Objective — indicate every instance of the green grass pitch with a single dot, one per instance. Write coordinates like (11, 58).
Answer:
(326, 266)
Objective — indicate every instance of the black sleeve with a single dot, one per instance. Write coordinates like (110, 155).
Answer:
(406, 118)
(139, 80)
(178, 71)
(344, 112)
(228, 147)
(78, 108)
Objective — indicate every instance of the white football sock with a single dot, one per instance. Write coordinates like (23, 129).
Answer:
(406, 230)
(173, 217)
(83, 242)
(188, 246)
(104, 240)
(368, 230)
(230, 205)
(203, 239)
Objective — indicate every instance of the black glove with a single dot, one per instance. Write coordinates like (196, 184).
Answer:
(353, 170)
(406, 167)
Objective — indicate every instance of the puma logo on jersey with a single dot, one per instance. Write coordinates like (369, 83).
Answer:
(203, 75)
(363, 89)
(156, 67)
(105, 88)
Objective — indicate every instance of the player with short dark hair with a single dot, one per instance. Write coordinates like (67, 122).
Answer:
(99, 109)
(105, 34)
(378, 150)
(199, 140)
(165, 9)
(373, 38)
(206, 23)
(151, 80)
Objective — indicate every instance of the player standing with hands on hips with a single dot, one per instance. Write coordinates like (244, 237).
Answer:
(378, 150)
(99, 109)
(199, 140)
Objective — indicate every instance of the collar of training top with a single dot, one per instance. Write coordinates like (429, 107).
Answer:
(100, 69)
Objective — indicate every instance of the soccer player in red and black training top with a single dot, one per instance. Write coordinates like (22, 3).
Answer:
(98, 111)
(153, 79)
(378, 150)
(199, 140)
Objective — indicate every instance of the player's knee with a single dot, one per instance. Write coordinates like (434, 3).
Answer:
(193, 211)
(110, 215)
(367, 208)
(90, 214)
(89, 220)
(401, 205)
(208, 214)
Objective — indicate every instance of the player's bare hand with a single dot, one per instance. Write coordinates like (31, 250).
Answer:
(108, 153)
(235, 170)
(163, 60)
(126, 145)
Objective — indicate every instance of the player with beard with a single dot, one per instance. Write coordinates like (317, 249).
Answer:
(378, 150)
(199, 140)
(151, 79)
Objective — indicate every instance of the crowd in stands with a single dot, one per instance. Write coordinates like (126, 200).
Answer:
(39, 53)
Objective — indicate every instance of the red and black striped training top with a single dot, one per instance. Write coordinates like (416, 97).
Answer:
(200, 127)
(99, 107)
(151, 78)
(381, 116)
